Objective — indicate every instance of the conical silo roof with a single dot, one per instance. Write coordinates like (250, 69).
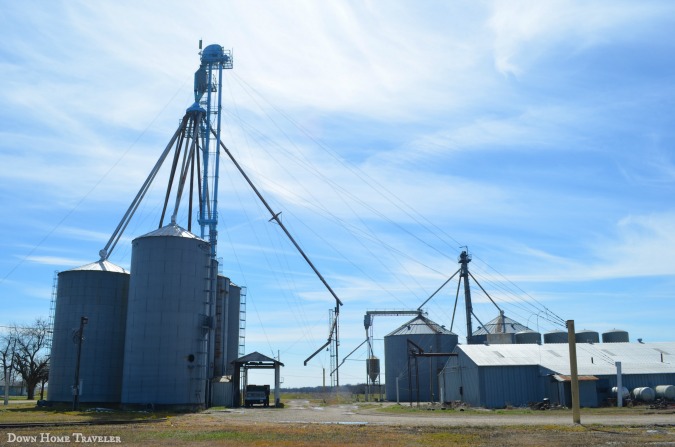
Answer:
(102, 266)
(171, 230)
(501, 324)
(418, 326)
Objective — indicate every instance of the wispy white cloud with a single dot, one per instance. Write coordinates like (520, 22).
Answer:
(524, 30)
(57, 261)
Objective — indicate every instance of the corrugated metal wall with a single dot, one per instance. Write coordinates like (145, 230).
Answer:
(494, 386)
(222, 395)
(516, 386)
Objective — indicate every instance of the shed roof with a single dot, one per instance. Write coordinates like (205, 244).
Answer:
(420, 325)
(256, 357)
(592, 359)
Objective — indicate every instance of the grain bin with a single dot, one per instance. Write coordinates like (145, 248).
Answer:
(615, 336)
(587, 336)
(528, 337)
(429, 336)
(228, 300)
(555, 337)
(165, 356)
(501, 324)
(98, 291)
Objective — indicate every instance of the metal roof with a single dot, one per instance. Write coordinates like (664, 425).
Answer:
(102, 266)
(172, 230)
(494, 326)
(256, 357)
(420, 325)
(592, 359)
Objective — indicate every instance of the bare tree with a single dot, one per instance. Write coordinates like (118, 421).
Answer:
(7, 347)
(30, 360)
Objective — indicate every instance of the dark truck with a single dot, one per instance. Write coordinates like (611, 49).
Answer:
(257, 394)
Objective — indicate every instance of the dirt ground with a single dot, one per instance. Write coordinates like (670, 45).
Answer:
(304, 411)
(311, 423)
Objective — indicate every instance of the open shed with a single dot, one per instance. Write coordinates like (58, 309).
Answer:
(254, 360)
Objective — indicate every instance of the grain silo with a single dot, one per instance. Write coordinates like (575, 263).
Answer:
(165, 356)
(615, 336)
(228, 300)
(499, 325)
(556, 337)
(99, 292)
(528, 337)
(421, 381)
(587, 336)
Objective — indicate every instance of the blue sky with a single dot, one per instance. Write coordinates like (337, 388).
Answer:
(389, 134)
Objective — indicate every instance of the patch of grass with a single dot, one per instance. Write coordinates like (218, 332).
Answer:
(63, 413)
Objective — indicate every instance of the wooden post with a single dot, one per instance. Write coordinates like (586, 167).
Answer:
(571, 340)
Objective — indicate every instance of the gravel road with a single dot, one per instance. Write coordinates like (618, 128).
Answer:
(302, 411)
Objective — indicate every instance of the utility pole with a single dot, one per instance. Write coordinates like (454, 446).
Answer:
(572, 342)
(76, 387)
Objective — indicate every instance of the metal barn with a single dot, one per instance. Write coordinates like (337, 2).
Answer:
(496, 376)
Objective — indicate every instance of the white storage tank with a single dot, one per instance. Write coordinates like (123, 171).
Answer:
(644, 394)
(99, 292)
(615, 336)
(665, 392)
(165, 356)
(624, 392)
(587, 336)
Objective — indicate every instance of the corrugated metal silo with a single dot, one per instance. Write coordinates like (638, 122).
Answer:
(228, 302)
(165, 356)
(429, 336)
(587, 336)
(615, 336)
(555, 337)
(528, 337)
(98, 291)
(499, 325)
